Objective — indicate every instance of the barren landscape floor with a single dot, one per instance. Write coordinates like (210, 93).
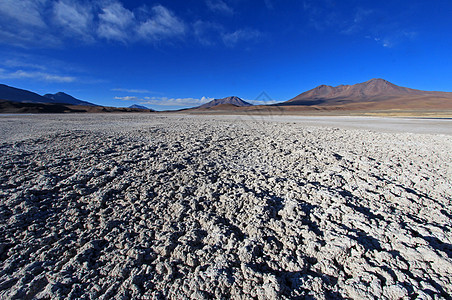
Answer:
(166, 206)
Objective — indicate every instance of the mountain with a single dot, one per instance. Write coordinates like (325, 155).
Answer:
(19, 95)
(228, 100)
(138, 106)
(64, 98)
(372, 91)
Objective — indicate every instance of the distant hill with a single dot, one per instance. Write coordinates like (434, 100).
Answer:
(236, 101)
(11, 107)
(372, 92)
(18, 95)
(138, 106)
(14, 107)
(64, 98)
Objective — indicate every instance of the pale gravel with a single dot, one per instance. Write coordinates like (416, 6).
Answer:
(199, 207)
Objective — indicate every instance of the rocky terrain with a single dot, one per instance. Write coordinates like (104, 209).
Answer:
(184, 207)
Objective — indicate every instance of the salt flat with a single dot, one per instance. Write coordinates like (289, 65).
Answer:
(192, 207)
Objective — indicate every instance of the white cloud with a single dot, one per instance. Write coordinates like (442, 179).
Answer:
(74, 18)
(22, 24)
(232, 38)
(393, 38)
(219, 6)
(42, 76)
(262, 102)
(362, 15)
(386, 30)
(26, 38)
(134, 91)
(128, 98)
(211, 33)
(163, 23)
(165, 101)
(357, 23)
(31, 62)
(115, 22)
(323, 15)
(207, 33)
(15, 63)
(25, 12)
(50, 23)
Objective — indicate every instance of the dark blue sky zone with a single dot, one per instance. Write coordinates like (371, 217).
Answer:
(173, 54)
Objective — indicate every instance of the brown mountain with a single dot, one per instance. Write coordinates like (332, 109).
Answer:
(375, 93)
(236, 101)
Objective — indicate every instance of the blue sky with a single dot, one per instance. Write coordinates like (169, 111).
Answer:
(174, 54)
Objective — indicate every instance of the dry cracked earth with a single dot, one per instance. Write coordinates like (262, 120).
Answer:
(178, 207)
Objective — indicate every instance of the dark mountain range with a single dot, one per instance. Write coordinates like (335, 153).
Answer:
(374, 90)
(14, 100)
(228, 100)
(18, 95)
(64, 98)
(138, 106)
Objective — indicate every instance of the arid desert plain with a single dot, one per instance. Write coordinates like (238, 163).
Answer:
(166, 206)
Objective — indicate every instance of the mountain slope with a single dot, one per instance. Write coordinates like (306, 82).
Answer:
(374, 90)
(64, 98)
(19, 95)
(138, 106)
(228, 100)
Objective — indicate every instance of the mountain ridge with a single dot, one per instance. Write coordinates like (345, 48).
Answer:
(20, 95)
(373, 90)
(64, 98)
(138, 106)
(14, 94)
(234, 100)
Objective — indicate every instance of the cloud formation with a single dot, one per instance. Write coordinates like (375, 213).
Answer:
(73, 18)
(165, 101)
(163, 23)
(41, 76)
(212, 33)
(35, 67)
(115, 21)
(51, 23)
(184, 102)
(24, 12)
(207, 32)
(325, 15)
(241, 35)
(219, 6)
(22, 23)
(262, 102)
(128, 98)
(44, 23)
(136, 91)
